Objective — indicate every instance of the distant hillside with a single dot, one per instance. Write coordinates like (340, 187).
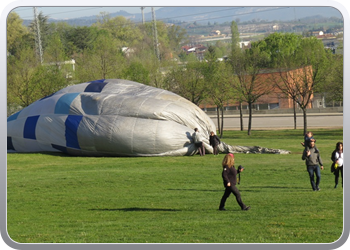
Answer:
(216, 14)
(227, 14)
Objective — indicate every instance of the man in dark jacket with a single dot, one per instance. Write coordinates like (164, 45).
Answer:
(214, 141)
(313, 162)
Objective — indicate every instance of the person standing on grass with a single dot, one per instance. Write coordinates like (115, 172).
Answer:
(313, 161)
(337, 158)
(229, 176)
(197, 139)
(214, 142)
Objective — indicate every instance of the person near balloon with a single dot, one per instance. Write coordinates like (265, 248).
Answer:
(197, 139)
(214, 141)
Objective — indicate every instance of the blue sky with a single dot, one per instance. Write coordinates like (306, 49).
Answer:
(74, 12)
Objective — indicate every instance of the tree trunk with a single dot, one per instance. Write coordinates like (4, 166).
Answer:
(250, 118)
(241, 115)
(295, 116)
(222, 122)
(305, 120)
(218, 118)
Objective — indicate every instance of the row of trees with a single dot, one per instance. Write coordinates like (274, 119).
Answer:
(98, 53)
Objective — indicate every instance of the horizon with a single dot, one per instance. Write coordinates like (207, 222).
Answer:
(68, 12)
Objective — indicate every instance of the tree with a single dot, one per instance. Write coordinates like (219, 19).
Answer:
(102, 61)
(177, 35)
(120, 28)
(78, 39)
(311, 52)
(15, 32)
(333, 88)
(29, 81)
(187, 81)
(251, 83)
(137, 72)
(20, 69)
(235, 59)
(163, 39)
(47, 79)
(235, 48)
(308, 70)
(220, 91)
(217, 76)
(281, 47)
(44, 26)
(55, 53)
(212, 78)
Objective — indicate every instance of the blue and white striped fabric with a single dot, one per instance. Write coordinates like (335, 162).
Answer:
(109, 118)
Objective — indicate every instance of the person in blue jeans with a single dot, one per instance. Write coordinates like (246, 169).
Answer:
(314, 165)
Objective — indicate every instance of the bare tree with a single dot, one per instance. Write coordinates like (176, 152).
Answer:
(252, 82)
(297, 85)
(302, 72)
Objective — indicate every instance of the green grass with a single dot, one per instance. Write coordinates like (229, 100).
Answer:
(62, 199)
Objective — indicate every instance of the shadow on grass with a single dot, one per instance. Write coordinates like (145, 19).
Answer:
(251, 189)
(135, 209)
(283, 187)
(261, 189)
(194, 190)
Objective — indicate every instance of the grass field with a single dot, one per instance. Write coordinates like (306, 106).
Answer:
(62, 199)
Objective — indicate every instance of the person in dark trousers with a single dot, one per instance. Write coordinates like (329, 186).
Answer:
(214, 142)
(313, 162)
(337, 159)
(197, 139)
(229, 176)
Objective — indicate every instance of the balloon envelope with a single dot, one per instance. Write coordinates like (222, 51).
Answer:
(109, 118)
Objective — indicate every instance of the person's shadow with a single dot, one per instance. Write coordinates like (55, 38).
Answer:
(135, 209)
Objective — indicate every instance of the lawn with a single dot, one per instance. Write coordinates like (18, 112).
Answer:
(55, 198)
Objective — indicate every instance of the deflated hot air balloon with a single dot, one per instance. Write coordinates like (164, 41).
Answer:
(109, 118)
(113, 118)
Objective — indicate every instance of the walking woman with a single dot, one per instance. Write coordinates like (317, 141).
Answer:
(229, 176)
(337, 158)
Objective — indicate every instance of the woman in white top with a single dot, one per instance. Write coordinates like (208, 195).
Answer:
(337, 158)
(197, 139)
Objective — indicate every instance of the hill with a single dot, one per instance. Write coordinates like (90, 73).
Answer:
(215, 14)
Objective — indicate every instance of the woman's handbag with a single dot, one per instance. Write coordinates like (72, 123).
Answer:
(334, 167)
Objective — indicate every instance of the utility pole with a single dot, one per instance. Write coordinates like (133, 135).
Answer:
(155, 35)
(39, 49)
(143, 15)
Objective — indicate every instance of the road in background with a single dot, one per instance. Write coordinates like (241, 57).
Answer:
(283, 121)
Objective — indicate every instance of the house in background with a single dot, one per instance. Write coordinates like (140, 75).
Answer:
(276, 99)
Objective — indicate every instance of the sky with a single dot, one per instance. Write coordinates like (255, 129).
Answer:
(74, 12)
(61, 12)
